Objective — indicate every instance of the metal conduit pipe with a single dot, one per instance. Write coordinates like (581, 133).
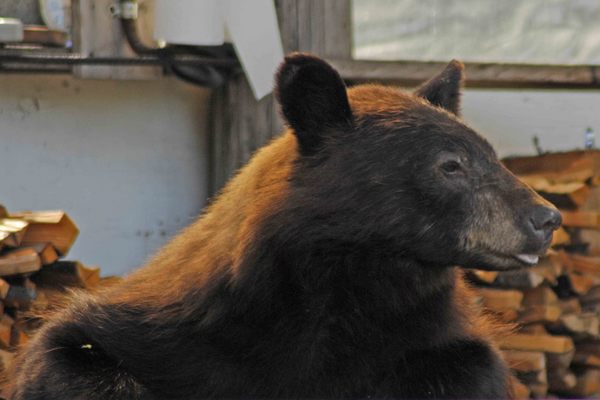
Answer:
(64, 58)
(208, 75)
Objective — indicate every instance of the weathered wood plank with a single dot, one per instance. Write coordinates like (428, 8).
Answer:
(338, 23)
(545, 343)
(239, 124)
(581, 219)
(410, 73)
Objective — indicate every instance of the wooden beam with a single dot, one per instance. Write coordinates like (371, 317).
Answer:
(20, 261)
(240, 124)
(545, 343)
(571, 166)
(54, 227)
(518, 389)
(581, 219)
(525, 361)
(500, 300)
(411, 73)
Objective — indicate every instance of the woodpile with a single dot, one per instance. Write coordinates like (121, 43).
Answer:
(555, 305)
(33, 274)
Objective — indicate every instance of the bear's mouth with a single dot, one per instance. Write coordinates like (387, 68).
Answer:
(527, 259)
(505, 261)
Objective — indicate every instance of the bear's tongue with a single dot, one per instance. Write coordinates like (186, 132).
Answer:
(528, 258)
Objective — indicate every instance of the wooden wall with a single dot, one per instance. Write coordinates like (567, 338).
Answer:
(239, 124)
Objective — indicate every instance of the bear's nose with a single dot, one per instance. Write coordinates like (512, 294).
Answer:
(545, 219)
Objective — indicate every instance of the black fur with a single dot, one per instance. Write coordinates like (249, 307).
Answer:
(313, 99)
(345, 290)
(444, 89)
(339, 323)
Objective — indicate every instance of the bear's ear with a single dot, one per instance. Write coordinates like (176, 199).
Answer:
(443, 90)
(313, 99)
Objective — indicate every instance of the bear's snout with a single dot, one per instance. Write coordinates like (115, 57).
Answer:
(540, 223)
(543, 221)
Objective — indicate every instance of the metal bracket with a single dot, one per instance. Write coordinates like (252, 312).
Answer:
(126, 9)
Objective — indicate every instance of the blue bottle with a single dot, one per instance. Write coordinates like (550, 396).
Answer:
(590, 138)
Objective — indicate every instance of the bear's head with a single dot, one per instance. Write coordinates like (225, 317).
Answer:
(403, 173)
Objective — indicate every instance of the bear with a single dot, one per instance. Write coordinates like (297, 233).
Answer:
(328, 267)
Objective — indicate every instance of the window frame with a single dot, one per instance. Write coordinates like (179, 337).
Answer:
(488, 75)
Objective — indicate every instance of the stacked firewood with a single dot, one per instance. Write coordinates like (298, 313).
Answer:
(555, 305)
(33, 274)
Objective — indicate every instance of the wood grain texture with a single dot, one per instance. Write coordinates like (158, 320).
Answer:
(410, 73)
(239, 124)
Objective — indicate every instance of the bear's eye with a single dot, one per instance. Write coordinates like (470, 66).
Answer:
(451, 167)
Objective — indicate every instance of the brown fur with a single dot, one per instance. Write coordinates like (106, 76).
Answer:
(321, 254)
(205, 247)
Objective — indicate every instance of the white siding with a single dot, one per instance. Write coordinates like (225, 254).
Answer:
(127, 160)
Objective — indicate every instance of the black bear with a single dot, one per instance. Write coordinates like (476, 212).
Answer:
(325, 269)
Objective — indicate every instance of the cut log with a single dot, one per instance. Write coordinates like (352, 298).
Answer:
(587, 360)
(46, 251)
(569, 201)
(588, 384)
(522, 279)
(525, 361)
(560, 237)
(505, 304)
(538, 390)
(483, 276)
(6, 324)
(64, 274)
(581, 219)
(20, 261)
(570, 306)
(4, 288)
(550, 268)
(520, 391)
(587, 353)
(561, 380)
(582, 283)
(564, 195)
(584, 264)
(573, 166)
(559, 360)
(12, 231)
(49, 227)
(540, 296)
(540, 305)
(536, 380)
(534, 329)
(20, 294)
(547, 270)
(6, 359)
(501, 300)
(578, 325)
(543, 184)
(18, 337)
(579, 196)
(506, 316)
(544, 343)
(541, 313)
(591, 296)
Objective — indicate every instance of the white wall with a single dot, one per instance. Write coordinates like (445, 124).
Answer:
(127, 160)
(510, 118)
